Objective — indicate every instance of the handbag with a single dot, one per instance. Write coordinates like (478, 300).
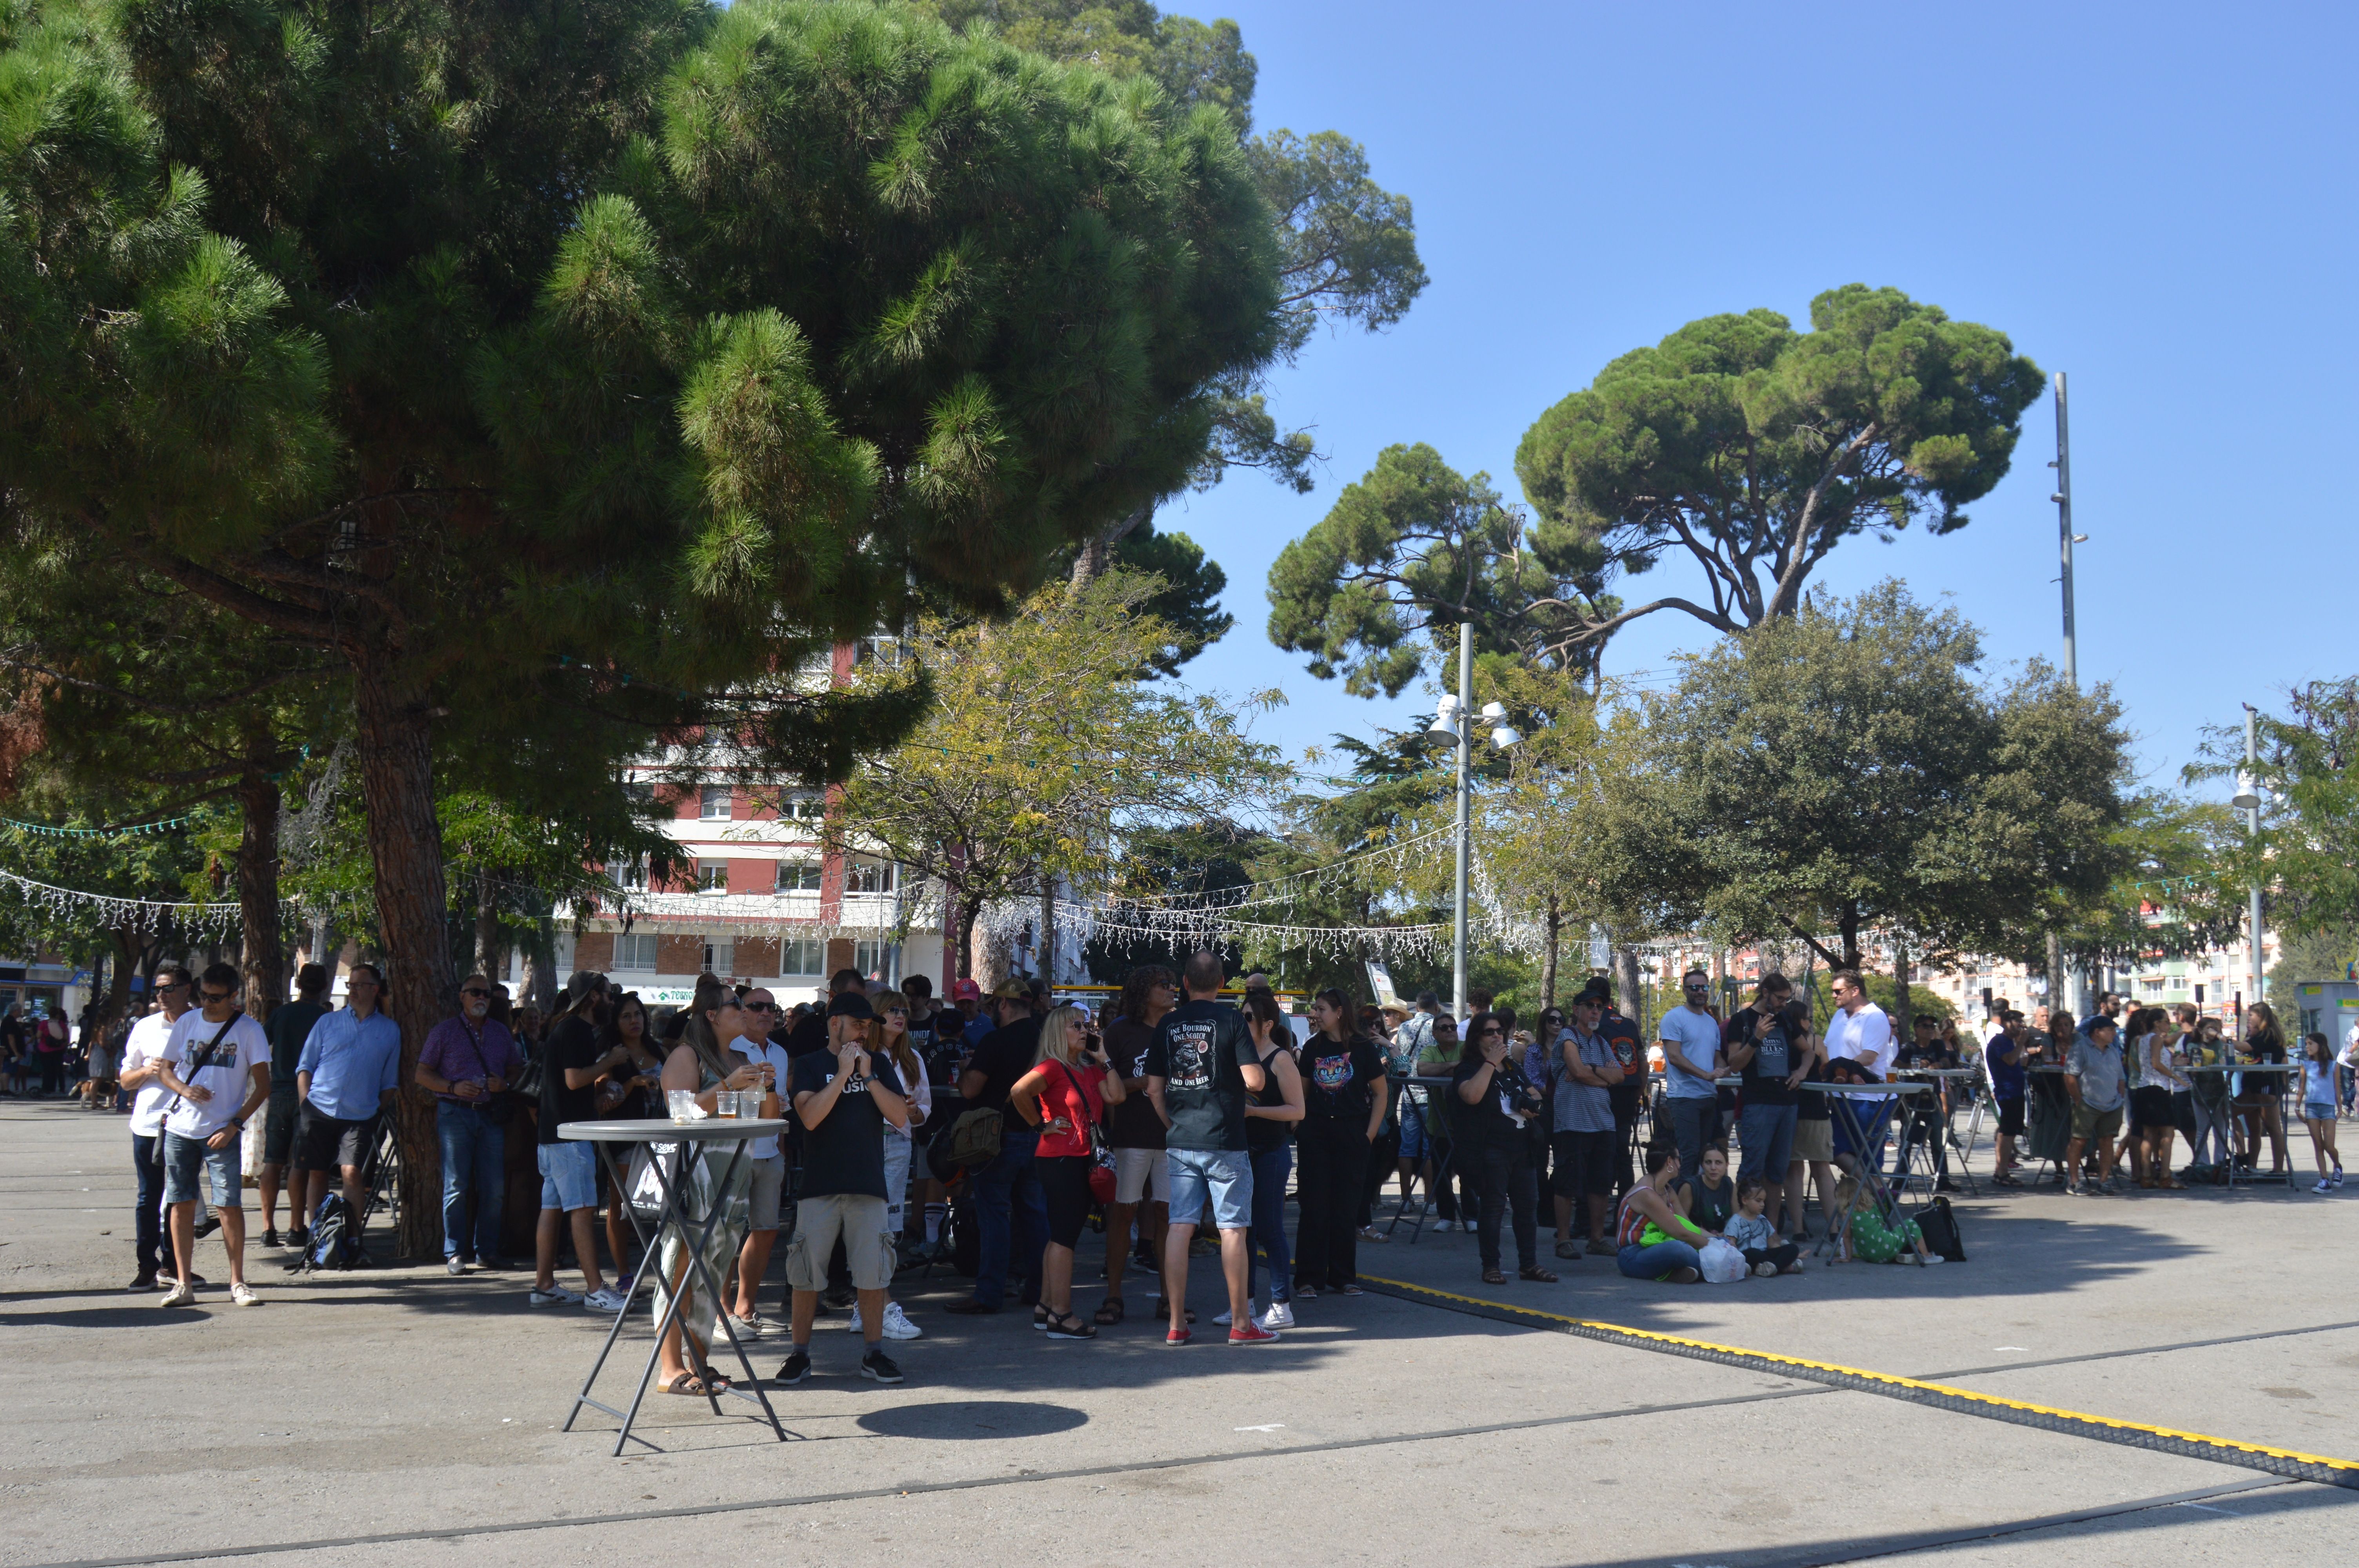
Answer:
(969, 1142)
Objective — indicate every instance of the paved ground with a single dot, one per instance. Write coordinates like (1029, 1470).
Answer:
(399, 1416)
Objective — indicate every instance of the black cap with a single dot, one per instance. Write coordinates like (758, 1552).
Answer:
(850, 1004)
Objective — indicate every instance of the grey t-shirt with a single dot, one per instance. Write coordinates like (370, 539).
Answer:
(2099, 1068)
(1585, 1107)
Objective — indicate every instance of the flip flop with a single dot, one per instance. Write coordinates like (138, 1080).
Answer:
(1493, 1277)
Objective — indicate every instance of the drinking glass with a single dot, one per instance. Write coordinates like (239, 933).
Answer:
(681, 1103)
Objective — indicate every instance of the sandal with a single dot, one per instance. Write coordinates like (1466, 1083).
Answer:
(1568, 1249)
(1347, 1291)
(686, 1383)
(713, 1381)
(1065, 1325)
(1537, 1274)
(1493, 1277)
(1163, 1310)
(1109, 1312)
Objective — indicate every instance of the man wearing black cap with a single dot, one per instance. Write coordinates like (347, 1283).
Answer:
(1011, 1213)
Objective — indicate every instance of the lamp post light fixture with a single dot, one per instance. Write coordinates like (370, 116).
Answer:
(1454, 716)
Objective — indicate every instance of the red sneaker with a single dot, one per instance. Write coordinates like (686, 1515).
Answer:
(1177, 1336)
(1251, 1332)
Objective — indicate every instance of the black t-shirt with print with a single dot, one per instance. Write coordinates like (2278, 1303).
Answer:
(1133, 1124)
(1764, 1077)
(1198, 1050)
(573, 1042)
(1628, 1095)
(845, 1152)
(1336, 1079)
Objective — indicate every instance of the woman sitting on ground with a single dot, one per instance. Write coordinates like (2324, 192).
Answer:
(1656, 1240)
(1708, 1198)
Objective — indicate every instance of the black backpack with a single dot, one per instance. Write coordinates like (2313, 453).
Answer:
(1939, 1226)
(335, 1235)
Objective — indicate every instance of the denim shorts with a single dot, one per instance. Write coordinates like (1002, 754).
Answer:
(569, 1177)
(1226, 1174)
(2318, 1109)
(182, 1159)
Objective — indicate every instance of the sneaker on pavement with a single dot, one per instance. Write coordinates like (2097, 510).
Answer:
(877, 1367)
(1763, 1269)
(178, 1295)
(452, 1266)
(2325, 1184)
(1440, 1226)
(144, 1283)
(1279, 1315)
(796, 1366)
(854, 1325)
(898, 1324)
(1251, 1334)
(754, 1326)
(1224, 1318)
(607, 1299)
(2338, 1175)
(270, 1237)
(554, 1295)
(1933, 1258)
(1178, 1336)
(242, 1294)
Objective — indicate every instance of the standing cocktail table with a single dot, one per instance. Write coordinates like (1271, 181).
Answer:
(675, 1145)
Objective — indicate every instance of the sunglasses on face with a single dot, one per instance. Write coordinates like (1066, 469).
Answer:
(473, 990)
(216, 996)
(761, 1007)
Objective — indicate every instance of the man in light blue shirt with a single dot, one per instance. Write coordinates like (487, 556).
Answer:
(347, 1074)
(1690, 1037)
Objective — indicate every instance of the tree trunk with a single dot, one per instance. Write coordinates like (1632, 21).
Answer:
(258, 895)
(393, 746)
(1548, 955)
(1097, 550)
(487, 925)
(1849, 929)
(1048, 958)
(1904, 1012)
(1625, 977)
(967, 909)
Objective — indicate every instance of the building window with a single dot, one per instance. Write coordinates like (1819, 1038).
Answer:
(804, 807)
(713, 876)
(634, 790)
(861, 875)
(562, 954)
(714, 805)
(2151, 985)
(878, 960)
(721, 956)
(635, 951)
(798, 876)
(801, 956)
(630, 876)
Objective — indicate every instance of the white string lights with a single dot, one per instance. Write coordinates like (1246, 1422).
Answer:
(140, 913)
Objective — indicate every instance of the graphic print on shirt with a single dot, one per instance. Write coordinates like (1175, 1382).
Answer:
(1191, 1054)
(1332, 1073)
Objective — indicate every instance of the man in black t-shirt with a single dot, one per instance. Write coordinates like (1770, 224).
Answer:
(1011, 1212)
(1142, 1188)
(1928, 1116)
(290, 1026)
(571, 1066)
(1200, 1069)
(843, 1099)
(1768, 1045)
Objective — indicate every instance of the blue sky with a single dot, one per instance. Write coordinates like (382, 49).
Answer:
(2156, 200)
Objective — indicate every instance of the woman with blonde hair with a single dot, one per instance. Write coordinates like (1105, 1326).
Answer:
(704, 1063)
(1064, 1096)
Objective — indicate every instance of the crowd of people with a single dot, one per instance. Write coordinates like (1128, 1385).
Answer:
(990, 1133)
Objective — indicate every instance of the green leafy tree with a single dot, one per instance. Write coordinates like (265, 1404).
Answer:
(1752, 450)
(1844, 774)
(2306, 859)
(632, 350)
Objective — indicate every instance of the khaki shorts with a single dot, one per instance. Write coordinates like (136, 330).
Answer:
(859, 1221)
(1814, 1141)
(2088, 1123)
(762, 1198)
(1141, 1174)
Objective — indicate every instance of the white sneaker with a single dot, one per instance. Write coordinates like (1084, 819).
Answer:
(2338, 1175)
(242, 1295)
(1222, 1319)
(555, 1295)
(1763, 1269)
(1933, 1258)
(609, 1300)
(898, 1324)
(2325, 1184)
(178, 1295)
(1441, 1224)
(854, 1325)
(1280, 1315)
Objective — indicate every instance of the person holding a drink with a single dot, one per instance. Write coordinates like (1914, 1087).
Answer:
(706, 1069)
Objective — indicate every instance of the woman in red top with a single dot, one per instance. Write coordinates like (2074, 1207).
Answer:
(1064, 1096)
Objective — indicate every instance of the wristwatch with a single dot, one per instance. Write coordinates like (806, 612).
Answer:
(238, 1122)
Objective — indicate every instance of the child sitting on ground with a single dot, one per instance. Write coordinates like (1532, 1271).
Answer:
(1749, 1231)
(1868, 1237)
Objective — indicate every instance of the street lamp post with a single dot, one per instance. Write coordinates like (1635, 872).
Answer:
(1454, 716)
(2077, 990)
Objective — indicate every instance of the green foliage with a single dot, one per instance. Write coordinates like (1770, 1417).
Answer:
(1753, 449)
(2307, 855)
(1843, 773)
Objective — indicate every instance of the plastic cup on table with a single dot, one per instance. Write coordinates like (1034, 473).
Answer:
(680, 1102)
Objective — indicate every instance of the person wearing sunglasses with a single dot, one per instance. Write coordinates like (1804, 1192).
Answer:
(467, 1062)
(1497, 1106)
(143, 1079)
(346, 1076)
(217, 1067)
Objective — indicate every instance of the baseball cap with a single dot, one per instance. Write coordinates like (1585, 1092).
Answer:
(850, 1004)
(965, 990)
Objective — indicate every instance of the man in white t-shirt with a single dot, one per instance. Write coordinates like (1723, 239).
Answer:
(217, 1066)
(1689, 1034)
(141, 1078)
(1861, 1032)
(769, 1162)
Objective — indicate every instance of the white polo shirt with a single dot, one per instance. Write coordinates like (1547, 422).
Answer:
(141, 1048)
(1864, 1037)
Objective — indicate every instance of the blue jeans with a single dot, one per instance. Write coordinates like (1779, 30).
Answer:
(1768, 1134)
(474, 1162)
(1270, 1169)
(148, 1162)
(1690, 1119)
(1654, 1263)
(1012, 1215)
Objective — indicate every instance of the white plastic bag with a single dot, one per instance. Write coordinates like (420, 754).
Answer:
(1723, 1263)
